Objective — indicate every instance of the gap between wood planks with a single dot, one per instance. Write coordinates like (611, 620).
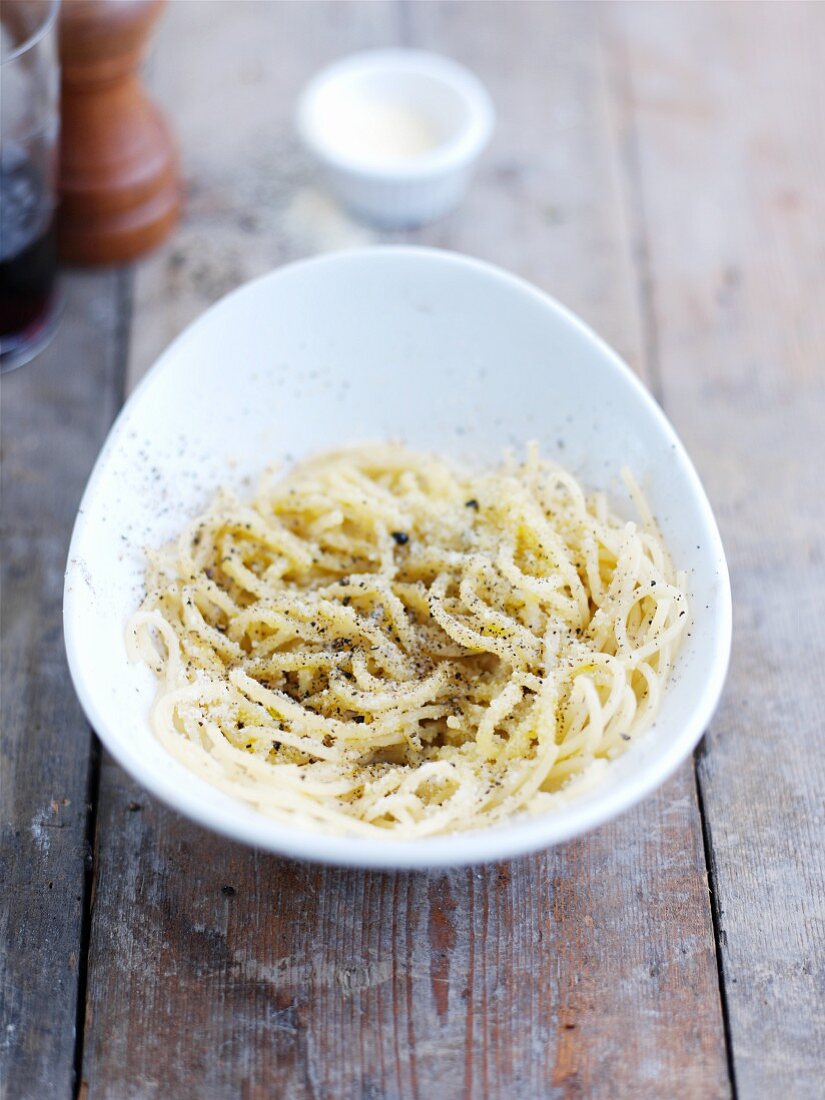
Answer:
(125, 286)
(634, 201)
(715, 917)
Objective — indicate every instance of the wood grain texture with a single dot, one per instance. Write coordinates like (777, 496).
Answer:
(55, 412)
(728, 113)
(586, 971)
(228, 84)
(549, 201)
(556, 975)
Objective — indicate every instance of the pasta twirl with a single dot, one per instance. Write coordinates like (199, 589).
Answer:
(383, 644)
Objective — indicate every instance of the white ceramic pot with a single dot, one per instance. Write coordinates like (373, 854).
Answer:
(386, 188)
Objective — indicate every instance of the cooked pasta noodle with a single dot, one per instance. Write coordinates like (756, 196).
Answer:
(383, 644)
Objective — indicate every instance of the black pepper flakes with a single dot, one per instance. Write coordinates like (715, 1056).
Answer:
(471, 504)
(401, 537)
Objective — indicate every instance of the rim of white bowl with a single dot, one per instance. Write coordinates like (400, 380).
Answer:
(453, 153)
(498, 842)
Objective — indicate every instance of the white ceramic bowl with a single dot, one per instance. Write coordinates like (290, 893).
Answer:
(390, 192)
(436, 349)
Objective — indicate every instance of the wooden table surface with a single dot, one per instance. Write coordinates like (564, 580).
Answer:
(661, 169)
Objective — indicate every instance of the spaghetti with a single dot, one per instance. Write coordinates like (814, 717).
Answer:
(382, 644)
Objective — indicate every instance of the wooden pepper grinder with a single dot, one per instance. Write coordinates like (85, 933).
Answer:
(119, 183)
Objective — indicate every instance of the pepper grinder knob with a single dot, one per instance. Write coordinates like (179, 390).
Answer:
(119, 181)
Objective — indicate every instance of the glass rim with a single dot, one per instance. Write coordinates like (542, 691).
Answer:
(40, 31)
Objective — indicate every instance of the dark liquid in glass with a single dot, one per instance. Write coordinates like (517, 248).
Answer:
(28, 249)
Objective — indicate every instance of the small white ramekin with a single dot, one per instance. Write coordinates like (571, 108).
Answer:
(396, 194)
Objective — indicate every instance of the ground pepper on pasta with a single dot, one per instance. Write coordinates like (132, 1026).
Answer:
(383, 643)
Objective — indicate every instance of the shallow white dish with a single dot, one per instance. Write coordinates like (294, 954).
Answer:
(436, 349)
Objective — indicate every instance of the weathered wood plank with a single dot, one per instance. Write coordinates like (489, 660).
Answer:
(589, 970)
(727, 111)
(55, 412)
(567, 973)
(251, 199)
(549, 203)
